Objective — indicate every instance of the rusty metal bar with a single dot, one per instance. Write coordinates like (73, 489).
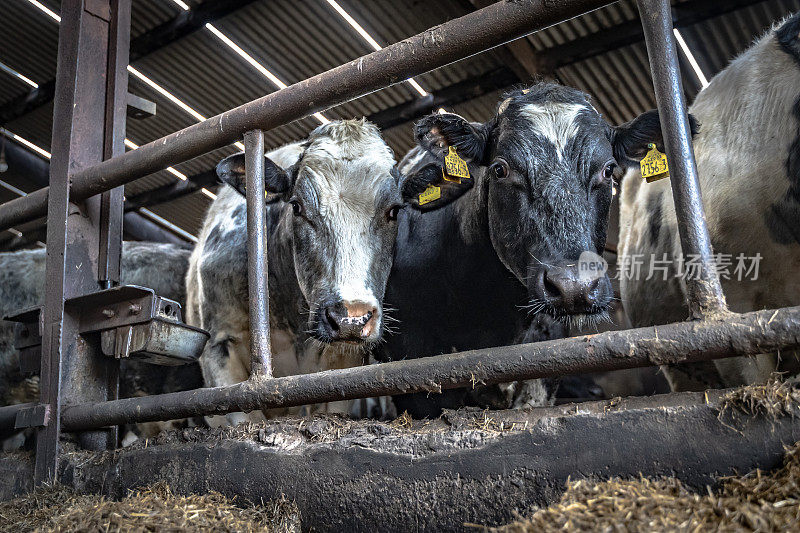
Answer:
(454, 40)
(8, 417)
(135, 226)
(705, 294)
(116, 112)
(734, 335)
(72, 369)
(257, 268)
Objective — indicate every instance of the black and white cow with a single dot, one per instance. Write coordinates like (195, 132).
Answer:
(748, 160)
(331, 232)
(161, 267)
(509, 240)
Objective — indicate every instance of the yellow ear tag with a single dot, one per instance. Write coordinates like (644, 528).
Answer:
(654, 165)
(455, 167)
(451, 179)
(430, 194)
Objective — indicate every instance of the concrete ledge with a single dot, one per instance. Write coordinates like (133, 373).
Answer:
(477, 467)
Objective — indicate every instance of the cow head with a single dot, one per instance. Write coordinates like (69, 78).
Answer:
(341, 200)
(545, 165)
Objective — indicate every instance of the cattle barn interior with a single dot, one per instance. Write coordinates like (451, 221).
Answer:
(193, 59)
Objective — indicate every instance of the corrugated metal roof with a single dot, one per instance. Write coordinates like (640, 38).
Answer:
(298, 39)
(28, 44)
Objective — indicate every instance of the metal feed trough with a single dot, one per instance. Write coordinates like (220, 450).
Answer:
(88, 322)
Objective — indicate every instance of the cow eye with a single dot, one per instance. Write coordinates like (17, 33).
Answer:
(606, 175)
(392, 212)
(499, 169)
(297, 207)
(608, 171)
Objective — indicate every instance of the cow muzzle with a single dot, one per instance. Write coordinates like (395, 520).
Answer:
(353, 322)
(566, 288)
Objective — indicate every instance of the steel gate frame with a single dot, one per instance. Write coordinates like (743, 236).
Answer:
(78, 384)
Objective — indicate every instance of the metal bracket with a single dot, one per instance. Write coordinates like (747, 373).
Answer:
(28, 339)
(132, 320)
(160, 342)
(31, 417)
(122, 306)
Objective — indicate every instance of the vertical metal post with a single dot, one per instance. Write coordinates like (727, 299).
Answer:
(112, 202)
(85, 53)
(257, 268)
(704, 292)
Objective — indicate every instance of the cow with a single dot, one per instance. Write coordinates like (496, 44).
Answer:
(161, 267)
(505, 249)
(748, 161)
(333, 201)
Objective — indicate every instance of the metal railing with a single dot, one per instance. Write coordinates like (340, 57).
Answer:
(90, 404)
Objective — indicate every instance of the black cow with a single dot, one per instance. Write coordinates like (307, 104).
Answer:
(510, 241)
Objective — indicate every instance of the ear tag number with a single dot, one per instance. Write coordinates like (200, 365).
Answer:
(455, 168)
(451, 179)
(654, 165)
(430, 194)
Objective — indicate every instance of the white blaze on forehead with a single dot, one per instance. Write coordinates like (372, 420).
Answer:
(347, 175)
(354, 253)
(555, 121)
(349, 217)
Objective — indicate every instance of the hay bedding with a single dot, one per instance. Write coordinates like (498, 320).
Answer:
(755, 502)
(759, 501)
(145, 510)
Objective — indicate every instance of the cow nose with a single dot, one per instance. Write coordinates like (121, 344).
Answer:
(351, 320)
(566, 289)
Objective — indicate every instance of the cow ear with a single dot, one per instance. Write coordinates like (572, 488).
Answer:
(278, 181)
(438, 132)
(630, 140)
(426, 189)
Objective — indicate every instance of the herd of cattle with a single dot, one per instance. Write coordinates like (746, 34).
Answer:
(475, 239)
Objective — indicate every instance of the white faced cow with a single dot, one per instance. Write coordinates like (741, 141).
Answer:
(748, 159)
(331, 232)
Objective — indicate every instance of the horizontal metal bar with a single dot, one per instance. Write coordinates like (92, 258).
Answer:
(32, 417)
(8, 417)
(736, 335)
(459, 38)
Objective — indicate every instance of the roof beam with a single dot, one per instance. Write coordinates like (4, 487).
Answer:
(183, 24)
(171, 191)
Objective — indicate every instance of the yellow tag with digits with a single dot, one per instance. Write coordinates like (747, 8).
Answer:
(455, 166)
(430, 194)
(451, 179)
(654, 165)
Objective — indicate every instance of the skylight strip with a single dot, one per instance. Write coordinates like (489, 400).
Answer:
(264, 71)
(46, 10)
(9, 70)
(166, 223)
(370, 40)
(690, 57)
